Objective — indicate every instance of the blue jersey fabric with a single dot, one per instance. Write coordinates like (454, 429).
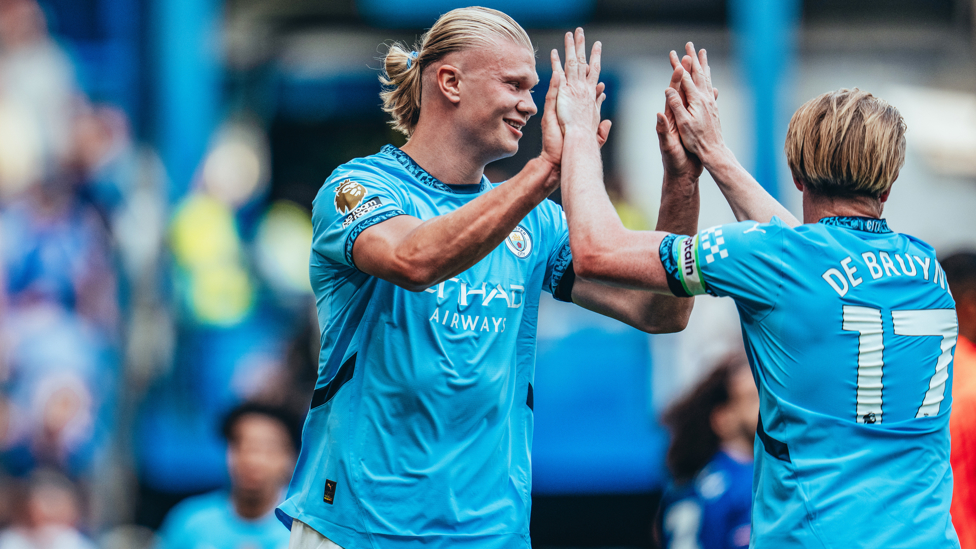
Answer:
(210, 522)
(850, 329)
(421, 424)
(711, 511)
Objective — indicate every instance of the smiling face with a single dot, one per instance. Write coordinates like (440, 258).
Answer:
(495, 97)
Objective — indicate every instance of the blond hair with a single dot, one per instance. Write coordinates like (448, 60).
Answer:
(846, 143)
(456, 30)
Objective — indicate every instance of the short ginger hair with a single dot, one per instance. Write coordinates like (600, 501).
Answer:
(456, 30)
(846, 143)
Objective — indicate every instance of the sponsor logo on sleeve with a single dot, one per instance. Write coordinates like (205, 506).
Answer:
(348, 195)
(519, 242)
(361, 210)
(688, 266)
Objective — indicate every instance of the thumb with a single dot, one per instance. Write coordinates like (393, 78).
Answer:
(681, 115)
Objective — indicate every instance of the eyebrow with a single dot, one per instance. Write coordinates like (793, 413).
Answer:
(532, 79)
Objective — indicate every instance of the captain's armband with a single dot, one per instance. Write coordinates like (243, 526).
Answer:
(679, 256)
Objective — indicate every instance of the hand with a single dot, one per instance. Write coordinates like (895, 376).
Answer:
(580, 91)
(678, 162)
(693, 105)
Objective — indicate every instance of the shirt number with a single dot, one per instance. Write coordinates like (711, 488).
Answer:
(870, 354)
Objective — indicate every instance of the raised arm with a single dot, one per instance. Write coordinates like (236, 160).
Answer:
(416, 254)
(701, 132)
(603, 249)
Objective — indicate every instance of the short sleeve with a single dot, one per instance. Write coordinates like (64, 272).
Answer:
(559, 275)
(347, 205)
(741, 260)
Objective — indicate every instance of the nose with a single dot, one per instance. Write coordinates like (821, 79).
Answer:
(527, 105)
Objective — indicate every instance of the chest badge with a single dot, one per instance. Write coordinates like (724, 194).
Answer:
(519, 242)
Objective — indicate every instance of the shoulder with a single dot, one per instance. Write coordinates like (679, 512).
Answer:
(364, 183)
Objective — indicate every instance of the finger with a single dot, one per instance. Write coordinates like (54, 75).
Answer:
(557, 67)
(676, 78)
(664, 135)
(600, 88)
(599, 101)
(571, 61)
(673, 57)
(715, 92)
(677, 109)
(689, 89)
(675, 83)
(603, 131)
(697, 75)
(686, 63)
(706, 70)
(580, 41)
(593, 71)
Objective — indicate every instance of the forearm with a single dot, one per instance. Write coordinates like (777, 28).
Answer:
(680, 204)
(416, 255)
(603, 249)
(748, 199)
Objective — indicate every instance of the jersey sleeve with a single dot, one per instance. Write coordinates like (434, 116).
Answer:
(559, 277)
(743, 261)
(346, 205)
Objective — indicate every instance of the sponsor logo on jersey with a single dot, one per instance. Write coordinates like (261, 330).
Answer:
(519, 242)
(348, 195)
(361, 210)
(330, 489)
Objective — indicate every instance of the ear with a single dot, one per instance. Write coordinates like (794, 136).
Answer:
(883, 197)
(798, 184)
(449, 82)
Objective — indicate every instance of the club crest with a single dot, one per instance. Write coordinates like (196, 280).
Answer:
(348, 195)
(519, 242)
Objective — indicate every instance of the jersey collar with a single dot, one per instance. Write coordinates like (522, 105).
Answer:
(422, 175)
(866, 224)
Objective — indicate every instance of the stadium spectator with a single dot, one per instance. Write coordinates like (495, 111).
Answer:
(428, 280)
(849, 326)
(262, 442)
(960, 270)
(37, 79)
(712, 429)
(48, 516)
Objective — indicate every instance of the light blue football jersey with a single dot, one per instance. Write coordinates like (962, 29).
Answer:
(211, 522)
(850, 330)
(420, 428)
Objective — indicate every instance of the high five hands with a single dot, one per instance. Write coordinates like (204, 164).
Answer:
(575, 92)
(691, 113)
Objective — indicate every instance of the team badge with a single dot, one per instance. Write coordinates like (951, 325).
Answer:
(519, 242)
(348, 195)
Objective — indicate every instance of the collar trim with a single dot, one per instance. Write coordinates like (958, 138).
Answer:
(866, 224)
(422, 175)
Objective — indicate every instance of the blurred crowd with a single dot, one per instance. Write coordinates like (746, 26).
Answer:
(129, 326)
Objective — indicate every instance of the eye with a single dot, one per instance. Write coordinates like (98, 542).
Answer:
(515, 85)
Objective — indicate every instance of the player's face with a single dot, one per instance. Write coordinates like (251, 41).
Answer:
(496, 97)
(260, 458)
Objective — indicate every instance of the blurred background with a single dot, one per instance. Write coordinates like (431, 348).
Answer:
(158, 159)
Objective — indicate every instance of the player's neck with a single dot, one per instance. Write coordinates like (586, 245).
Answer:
(817, 207)
(444, 156)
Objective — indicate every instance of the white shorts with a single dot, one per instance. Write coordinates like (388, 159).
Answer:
(304, 537)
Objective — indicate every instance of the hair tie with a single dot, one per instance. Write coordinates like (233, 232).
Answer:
(410, 57)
